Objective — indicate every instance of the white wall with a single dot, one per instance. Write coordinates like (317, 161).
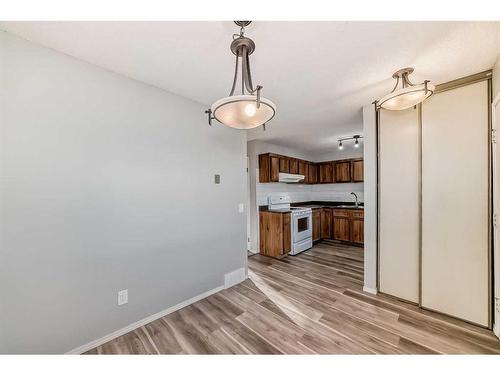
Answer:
(106, 184)
(298, 192)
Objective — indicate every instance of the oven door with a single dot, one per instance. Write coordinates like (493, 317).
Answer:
(302, 226)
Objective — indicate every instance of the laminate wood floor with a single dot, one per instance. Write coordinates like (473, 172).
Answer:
(311, 303)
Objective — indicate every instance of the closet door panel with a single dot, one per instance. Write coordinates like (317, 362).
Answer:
(399, 204)
(455, 216)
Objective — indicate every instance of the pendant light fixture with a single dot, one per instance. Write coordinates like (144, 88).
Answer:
(249, 109)
(408, 95)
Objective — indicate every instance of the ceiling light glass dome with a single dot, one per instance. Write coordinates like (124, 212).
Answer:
(241, 112)
(249, 109)
(408, 95)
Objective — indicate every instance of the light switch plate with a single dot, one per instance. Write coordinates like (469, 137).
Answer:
(122, 297)
(241, 208)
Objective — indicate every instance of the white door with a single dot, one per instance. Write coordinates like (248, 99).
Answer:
(455, 210)
(496, 208)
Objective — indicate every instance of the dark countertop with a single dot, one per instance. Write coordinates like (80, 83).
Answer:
(318, 204)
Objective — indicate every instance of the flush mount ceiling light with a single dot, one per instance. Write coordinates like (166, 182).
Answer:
(408, 95)
(356, 138)
(248, 109)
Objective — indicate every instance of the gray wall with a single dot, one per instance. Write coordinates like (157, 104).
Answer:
(106, 184)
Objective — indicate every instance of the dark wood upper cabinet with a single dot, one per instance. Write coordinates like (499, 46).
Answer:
(264, 168)
(304, 170)
(294, 166)
(313, 173)
(275, 168)
(269, 167)
(357, 170)
(326, 172)
(348, 170)
(284, 164)
(343, 171)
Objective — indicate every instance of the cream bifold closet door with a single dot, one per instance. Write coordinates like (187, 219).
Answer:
(399, 204)
(455, 209)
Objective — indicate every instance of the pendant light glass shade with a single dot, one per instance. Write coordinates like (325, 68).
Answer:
(249, 109)
(241, 112)
(408, 95)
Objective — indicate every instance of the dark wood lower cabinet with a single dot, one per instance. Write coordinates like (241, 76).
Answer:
(348, 225)
(275, 234)
(326, 223)
(316, 224)
(341, 228)
(358, 231)
(338, 224)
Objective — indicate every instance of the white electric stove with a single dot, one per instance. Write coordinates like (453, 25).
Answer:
(301, 218)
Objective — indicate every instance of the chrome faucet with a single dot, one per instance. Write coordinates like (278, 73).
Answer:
(355, 196)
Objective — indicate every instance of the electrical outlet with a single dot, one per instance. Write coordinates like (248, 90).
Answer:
(217, 179)
(122, 297)
(497, 304)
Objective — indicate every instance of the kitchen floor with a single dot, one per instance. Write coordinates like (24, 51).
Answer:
(311, 303)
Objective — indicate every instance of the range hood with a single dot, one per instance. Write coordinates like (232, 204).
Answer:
(290, 178)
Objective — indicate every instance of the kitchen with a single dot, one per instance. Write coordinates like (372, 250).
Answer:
(313, 220)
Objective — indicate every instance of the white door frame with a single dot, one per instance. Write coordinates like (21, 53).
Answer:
(495, 126)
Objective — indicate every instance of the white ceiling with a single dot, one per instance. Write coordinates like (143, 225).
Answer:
(319, 74)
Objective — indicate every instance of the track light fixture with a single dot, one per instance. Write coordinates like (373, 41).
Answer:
(356, 138)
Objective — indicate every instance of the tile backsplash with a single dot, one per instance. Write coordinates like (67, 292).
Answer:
(303, 193)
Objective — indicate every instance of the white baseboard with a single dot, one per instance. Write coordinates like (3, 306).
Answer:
(139, 323)
(370, 290)
(234, 277)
